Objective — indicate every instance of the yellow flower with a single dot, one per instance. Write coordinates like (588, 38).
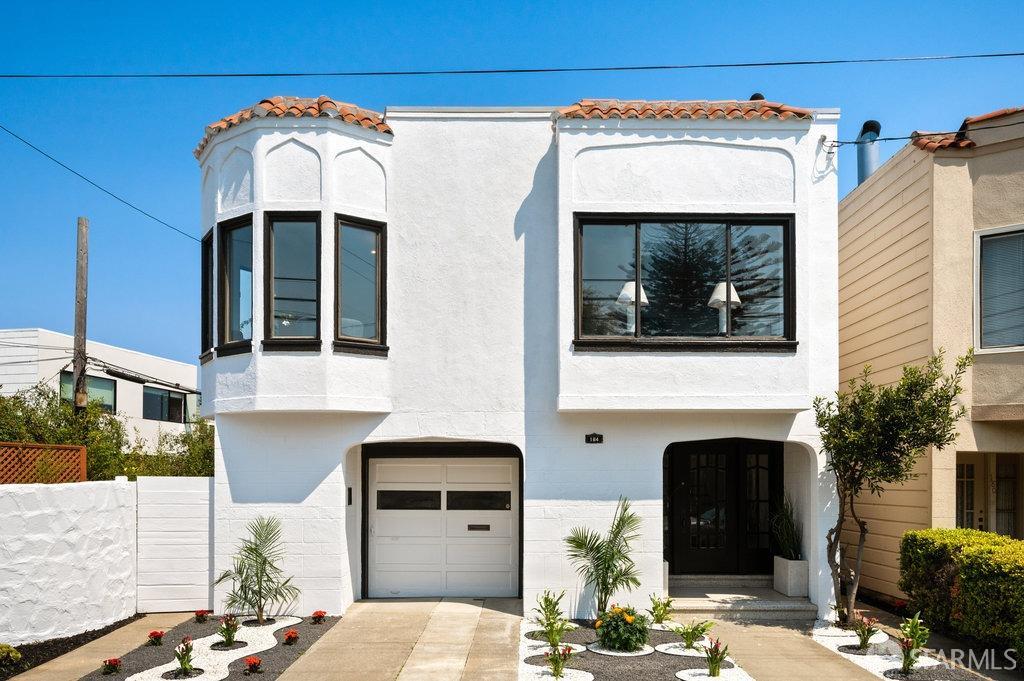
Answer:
(616, 610)
(597, 624)
(630, 618)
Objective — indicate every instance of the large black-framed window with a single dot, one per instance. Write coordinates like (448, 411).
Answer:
(360, 307)
(291, 293)
(1001, 290)
(206, 294)
(234, 286)
(703, 282)
(97, 388)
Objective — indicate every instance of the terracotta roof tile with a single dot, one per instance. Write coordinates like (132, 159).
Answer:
(297, 107)
(991, 115)
(935, 141)
(746, 110)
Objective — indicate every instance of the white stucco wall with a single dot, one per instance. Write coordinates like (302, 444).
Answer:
(479, 208)
(67, 558)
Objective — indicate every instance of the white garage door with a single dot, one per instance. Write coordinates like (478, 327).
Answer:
(443, 527)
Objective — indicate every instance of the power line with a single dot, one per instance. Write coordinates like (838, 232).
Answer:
(95, 184)
(505, 71)
(920, 135)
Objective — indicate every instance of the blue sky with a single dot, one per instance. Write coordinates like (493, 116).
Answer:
(136, 137)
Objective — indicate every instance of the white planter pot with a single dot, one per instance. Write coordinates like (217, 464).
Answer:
(791, 577)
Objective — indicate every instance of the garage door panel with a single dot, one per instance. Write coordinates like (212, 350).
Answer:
(473, 524)
(407, 524)
(409, 472)
(479, 554)
(478, 583)
(406, 583)
(476, 474)
(406, 553)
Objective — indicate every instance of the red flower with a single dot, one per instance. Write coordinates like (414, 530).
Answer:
(290, 637)
(112, 665)
(201, 615)
(252, 663)
(318, 616)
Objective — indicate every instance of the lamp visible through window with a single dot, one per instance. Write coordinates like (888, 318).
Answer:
(627, 297)
(718, 301)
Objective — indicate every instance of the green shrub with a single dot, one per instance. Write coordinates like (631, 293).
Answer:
(660, 608)
(966, 582)
(550, 619)
(622, 629)
(10, 658)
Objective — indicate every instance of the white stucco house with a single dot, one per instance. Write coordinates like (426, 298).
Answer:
(152, 394)
(424, 348)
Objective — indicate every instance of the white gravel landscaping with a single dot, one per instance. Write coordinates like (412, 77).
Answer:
(601, 650)
(680, 649)
(214, 663)
(833, 638)
(731, 674)
(530, 648)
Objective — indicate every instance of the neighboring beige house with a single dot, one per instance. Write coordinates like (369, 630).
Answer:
(931, 255)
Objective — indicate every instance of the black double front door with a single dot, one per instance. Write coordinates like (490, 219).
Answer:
(719, 499)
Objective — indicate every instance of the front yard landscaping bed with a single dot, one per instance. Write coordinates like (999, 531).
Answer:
(274, 660)
(35, 654)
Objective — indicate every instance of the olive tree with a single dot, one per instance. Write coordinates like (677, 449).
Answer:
(873, 437)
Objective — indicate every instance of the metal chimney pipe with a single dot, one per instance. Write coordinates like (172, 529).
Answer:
(867, 150)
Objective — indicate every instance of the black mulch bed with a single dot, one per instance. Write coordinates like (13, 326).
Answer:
(887, 648)
(178, 674)
(933, 673)
(34, 654)
(609, 668)
(275, 660)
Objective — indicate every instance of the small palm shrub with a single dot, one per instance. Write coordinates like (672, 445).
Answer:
(257, 582)
(865, 629)
(915, 636)
(558, 659)
(660, 608)
(550, 619)
(603, 561)
(622, 629)
(693, 632)
(714, 655)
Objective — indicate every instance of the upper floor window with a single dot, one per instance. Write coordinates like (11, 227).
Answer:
(159, 404)
(1002, 290)
(702, 281)
(360, 278)
(206, 293)
(235, 281)
(99, 389)
(292, 263)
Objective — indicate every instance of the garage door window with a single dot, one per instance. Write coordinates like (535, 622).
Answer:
(479, 501)
(408, 500)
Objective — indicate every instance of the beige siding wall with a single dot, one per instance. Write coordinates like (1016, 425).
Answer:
(885, 307)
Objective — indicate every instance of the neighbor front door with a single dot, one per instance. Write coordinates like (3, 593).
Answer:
(720, 496)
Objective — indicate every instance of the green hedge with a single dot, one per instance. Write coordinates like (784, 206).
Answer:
(966, 582)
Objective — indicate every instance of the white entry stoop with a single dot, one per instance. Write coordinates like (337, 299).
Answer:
(734, 597)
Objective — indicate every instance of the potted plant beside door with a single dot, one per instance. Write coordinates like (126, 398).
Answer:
(791, 572)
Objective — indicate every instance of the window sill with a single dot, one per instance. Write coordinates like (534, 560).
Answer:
(206, 356)
(356, 348)
(684, 345)
(234, 348)
(292, 344)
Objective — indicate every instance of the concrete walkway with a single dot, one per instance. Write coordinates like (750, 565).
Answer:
(417, 640)
(77, 663)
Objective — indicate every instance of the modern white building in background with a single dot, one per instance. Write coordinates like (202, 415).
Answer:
(117, 377)
(425, 352)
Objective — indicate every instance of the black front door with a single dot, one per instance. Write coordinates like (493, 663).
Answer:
(719, 497)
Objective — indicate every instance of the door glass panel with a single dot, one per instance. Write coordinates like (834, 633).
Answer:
(479, 501)
(408, 500)
(1006, 498)
(965, 495)
(708, 502)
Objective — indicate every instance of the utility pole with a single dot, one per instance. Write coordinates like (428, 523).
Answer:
(81, 398)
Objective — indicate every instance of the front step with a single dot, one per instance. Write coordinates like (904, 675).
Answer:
(738, 604)
(719, 581)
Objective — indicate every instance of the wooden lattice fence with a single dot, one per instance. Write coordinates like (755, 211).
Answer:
(24, 462)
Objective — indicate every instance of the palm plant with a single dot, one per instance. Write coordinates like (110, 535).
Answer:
(603, 561)
(257, 583)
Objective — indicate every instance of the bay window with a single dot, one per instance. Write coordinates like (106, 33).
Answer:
(235, 286)
(684, 281)
(292, 276)
(1001, 290)
(359, 289)
(206, 294)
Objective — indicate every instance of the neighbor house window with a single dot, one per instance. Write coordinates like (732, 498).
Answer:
(235, 290)
(703, 280)
(206, 304)
(360, 283)
(1002, 290)
(159, 404)
(292, 246)
(99, 389)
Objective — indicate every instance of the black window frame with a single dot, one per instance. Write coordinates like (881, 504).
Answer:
(292, 343)
(981, 290)
(225, 348)
(184, 404)
(786, 343)
(370, 346)
(88, 376)
(206, 331)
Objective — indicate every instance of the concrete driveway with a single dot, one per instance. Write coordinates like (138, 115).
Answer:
(417, 639)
